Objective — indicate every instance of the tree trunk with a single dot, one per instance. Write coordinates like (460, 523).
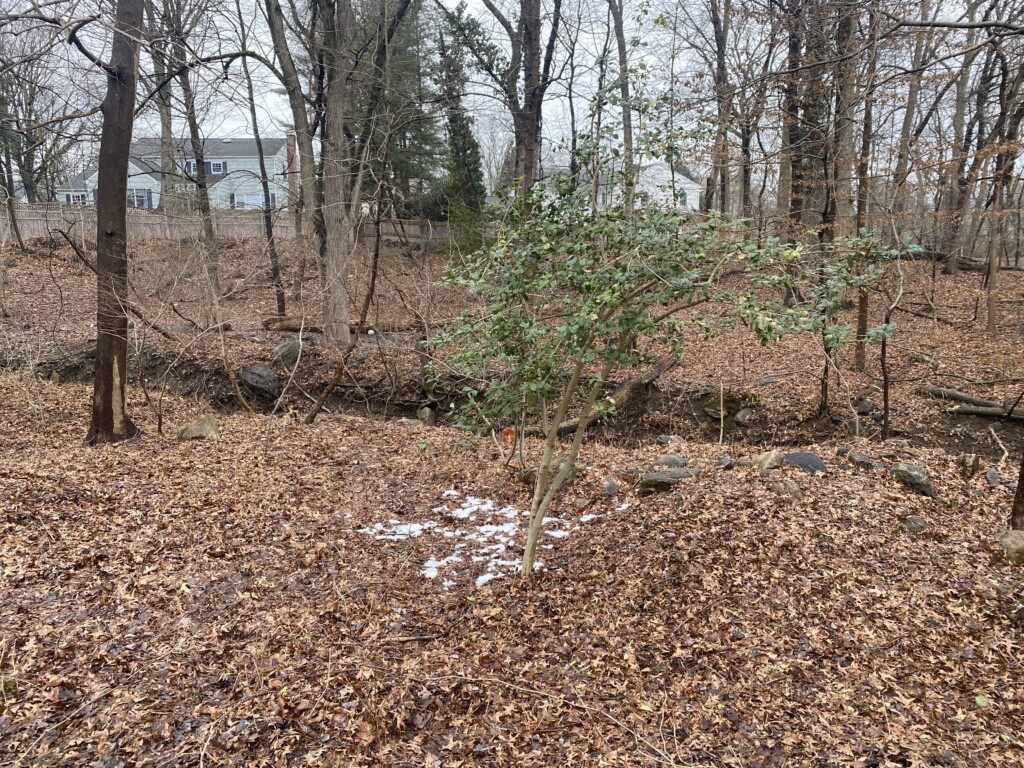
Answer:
(110, 421)
(268, 213)
(9, 203)
(844, 152)
(628, 169)
(303, 132)
(1017, 511)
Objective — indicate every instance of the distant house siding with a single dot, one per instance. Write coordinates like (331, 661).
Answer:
(143, 189)
(242, 188)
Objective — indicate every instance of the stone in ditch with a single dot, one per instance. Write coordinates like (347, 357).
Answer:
(610, 487)
(913, 477)
(656, 482)
(1012, 543)
(768, 460)
(427, 415)
(765, 381)
(861, 461)
(744, 416)
(669, 440)
(992, 477)
(804, 460)
(725, 463)
(864, 407)
(970, 463)
(670, 461)
(915, 523)
(787, 488)
(204, 429)
(286, 354)
(262, 381)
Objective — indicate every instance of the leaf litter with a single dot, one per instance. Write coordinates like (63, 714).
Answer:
(270, 599)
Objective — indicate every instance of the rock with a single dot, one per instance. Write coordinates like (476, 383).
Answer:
(1012, 543)
(54, 377)
(805, 460)
(714, 412)
(725, 463)
(286, 354)
(787, 488)
(861, 461)
(580, 504)
(427, 415)
(610, 487)
(992, 477)
(656, 482)
(744, 461)
(262, 381)
(204, 429)
(528, 476)
(878, 417)
(864, 407)
(744, 416)
(670, 461)
(914, 477)
(669, 440)
(970, 463)
(10, 261)
(768, 460)
(843, 450)
(765, 381)
(915, 523)
(181, 329)
(409, 422)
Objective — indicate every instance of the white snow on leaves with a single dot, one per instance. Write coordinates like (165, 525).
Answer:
(484, 532)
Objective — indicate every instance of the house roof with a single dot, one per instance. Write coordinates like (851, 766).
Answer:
(147, 149)
(77, 183)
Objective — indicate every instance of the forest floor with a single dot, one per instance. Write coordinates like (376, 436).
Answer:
(344, 594)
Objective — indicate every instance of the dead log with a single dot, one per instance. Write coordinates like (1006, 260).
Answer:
(1017, 414)
(293, 323)
(290, 323)
(623, 394)
(962, 397)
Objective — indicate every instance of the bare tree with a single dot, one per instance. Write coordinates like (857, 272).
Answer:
(110, 420)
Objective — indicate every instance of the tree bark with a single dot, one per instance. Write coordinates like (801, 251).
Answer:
(1017, 511)
(110, 421)
(268, 213)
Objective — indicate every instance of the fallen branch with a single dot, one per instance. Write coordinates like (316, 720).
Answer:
(926, 316)
(996, 413)
(951, 394)
(293, 323)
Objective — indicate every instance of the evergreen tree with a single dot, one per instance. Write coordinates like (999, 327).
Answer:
(465, 185)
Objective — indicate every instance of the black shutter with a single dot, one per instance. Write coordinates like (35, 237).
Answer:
(232, 200)
(68, 198)
(206, 167)
(224, 166)
(273, 199)
(149, 198)
(94, 190)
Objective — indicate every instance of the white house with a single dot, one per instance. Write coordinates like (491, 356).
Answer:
(232, 173)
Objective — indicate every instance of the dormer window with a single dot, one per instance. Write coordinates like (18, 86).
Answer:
(216, 166)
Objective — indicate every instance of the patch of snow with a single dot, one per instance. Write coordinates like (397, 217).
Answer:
(486, 577)
(622, 507)
(430, 566)
(588, 518)
(485, 536)
(403, 530)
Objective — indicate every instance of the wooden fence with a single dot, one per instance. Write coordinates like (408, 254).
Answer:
(79, 221)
